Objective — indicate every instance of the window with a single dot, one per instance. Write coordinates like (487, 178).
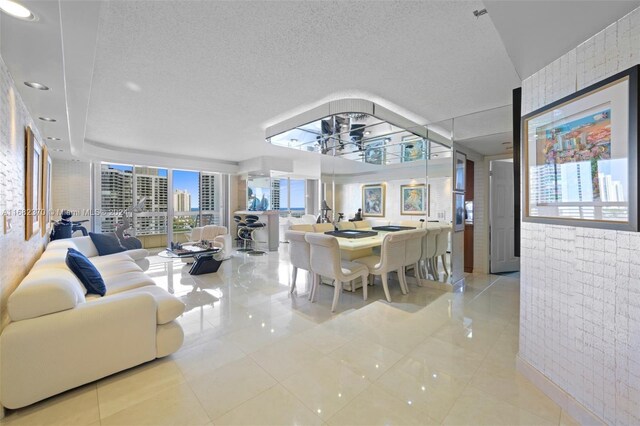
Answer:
(116, 194)
(151, 185)
(290, 196)
(196, 197)
(186, 200)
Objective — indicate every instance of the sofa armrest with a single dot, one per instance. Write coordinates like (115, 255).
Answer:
(44, 356)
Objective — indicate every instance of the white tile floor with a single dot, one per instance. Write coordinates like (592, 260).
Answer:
(254, 355)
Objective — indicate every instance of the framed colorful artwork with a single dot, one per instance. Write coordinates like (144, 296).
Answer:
(412, 148)
(580, 157)
(374, 152)
(414, 200)
(373, 200)
(460, 170)
(32, 196)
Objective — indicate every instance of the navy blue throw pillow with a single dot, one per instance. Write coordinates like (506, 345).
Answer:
(86, 272)
(106, 244)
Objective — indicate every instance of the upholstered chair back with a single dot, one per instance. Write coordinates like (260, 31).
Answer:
(346, 225)
(304, 227)
(362, 224)
(325, 255)
(299, 250)
(393, 251)
(413, 251)
(323, 227)
(442, 240)
(209, 232)
(429, 241)
(412, 223)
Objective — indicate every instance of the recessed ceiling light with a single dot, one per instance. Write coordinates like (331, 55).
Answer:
(387, 140)
(16, 10)
(35, 85)
(51, 138)
(367, 133)
(58, 150)
(49, 119)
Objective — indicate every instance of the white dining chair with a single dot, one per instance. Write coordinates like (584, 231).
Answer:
(299, 256)
(326, 262)
(345, 226)
(412, 223)
(412, 254)
(442, 245)
(429, 250)
(391, 259)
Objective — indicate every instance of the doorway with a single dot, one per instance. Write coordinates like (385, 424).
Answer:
(501, 214)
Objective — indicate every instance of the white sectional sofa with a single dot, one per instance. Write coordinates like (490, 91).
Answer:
(60, 337)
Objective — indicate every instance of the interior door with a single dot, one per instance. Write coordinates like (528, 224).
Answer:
(502, 224)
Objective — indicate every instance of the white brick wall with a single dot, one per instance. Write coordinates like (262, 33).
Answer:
(580, 287)
(16, 254)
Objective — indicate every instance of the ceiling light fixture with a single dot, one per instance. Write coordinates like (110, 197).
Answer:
(367, 133)
(35, 85)
(16, 10)
(49, 119)
(387, 140)
(58, 150)
(51, 138)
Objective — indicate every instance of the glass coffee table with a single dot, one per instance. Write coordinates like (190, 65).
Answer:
(203, 260)
(188, 252)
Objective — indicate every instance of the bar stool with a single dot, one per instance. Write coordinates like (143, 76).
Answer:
(243, 233)
(254, 225)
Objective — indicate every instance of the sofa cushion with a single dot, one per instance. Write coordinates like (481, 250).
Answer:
(109, 269)
(138, 254)
(44, 291)
(86, 272)
(126, 281)
(106, 244)
(169, 306)
(83, 244)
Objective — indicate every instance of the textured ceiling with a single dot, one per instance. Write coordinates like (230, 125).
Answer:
(537, 32)
(205, 78)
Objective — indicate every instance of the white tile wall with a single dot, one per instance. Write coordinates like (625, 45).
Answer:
(16, 254)
(580, 287)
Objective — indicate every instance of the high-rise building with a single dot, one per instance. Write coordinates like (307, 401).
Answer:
(181, 200)
(116, 194)
(208, 200)
(151, 186)
(275, 194)
(209, 204)
(117, 186)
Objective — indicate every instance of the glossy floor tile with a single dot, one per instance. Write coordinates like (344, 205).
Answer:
(256, 355)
